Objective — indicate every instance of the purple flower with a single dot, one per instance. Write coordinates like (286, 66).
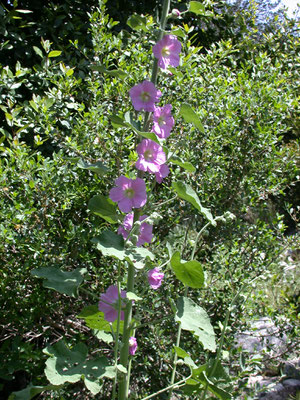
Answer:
(129, 193)
(132, 345)
(167, 51)
(162, 121)
(162, 173)
(144, 95)
(145, 234)
(155, 277)
(111, 310)
(151, 156)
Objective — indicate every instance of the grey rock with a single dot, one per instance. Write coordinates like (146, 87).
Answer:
(293, 383)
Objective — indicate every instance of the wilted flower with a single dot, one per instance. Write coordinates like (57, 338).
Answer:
(151, 156)
(132, 345)
(167, 51)
(129, 193)
(155, 277)
(108, 303)
(162, 173)
(163, 121)
(144, 96)
(145, 233)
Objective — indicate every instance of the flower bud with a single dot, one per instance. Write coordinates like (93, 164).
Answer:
(175, 13)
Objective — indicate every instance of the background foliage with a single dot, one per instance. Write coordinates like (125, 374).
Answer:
(65, 70)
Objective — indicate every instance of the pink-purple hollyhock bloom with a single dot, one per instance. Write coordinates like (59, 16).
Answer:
(129, 193)
(163, 121)
(151, 156)
(167, 51)
(132, 345)
(144, 96)
(162, 173)
(111, 310)
(145, 234)
(155, 277)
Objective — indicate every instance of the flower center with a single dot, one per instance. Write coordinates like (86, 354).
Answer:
(161, 120)
(129, 193)
(165, 52)
(145, 96)
(148, 156)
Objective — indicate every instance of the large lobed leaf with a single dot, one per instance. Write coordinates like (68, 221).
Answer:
(62, 281)
(71, 365)
(195, 319)
(190, 272)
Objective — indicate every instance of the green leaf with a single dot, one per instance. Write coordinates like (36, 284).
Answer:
(110, 244)
(219, 383)
(137, 22)
(70, 365)
(23, 11)
(196, 7)
(94, 319)
(54, 53)
(104, 207)
(118, 73)
(184, 164)
(38, 51)
(180, 352)
(138, 256)
(106, 337)
(31, 391)
(63, 282)
(148, 135)
(97, 167)
(133, 296)
(134, 125)
(185, 192)
(194, 318)
(189, 273)
(190, 116)
(121, 369)
(179, 32)
(117, 121)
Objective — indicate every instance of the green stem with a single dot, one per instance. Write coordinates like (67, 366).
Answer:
(173, 386)
(114, 392)
(124, 354)
(175, 356)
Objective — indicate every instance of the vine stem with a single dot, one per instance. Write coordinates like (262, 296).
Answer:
(173, 386)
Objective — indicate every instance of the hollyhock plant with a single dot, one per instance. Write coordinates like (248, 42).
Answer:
(163, 121)
(145, 234)
(167, 51)
(129, 193)
(162, 173)
(151, 156)
(155, 278)
(108, 303)
(132, 345)
(144, 96)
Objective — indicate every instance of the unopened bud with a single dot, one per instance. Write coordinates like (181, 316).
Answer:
(175, 12)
